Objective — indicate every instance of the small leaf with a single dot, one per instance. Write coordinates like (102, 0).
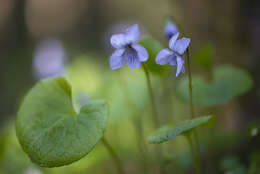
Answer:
(153, 47)
(167, 133)
(49, 129)
(227, 83)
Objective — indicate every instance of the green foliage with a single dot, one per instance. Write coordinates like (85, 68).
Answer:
(232, 164)
(204, 56)
(15, 161)
(253, 128)
(254, 166)
(51, 132)
(167, 133)
(153, 47)
(227, 83)
(2, 146)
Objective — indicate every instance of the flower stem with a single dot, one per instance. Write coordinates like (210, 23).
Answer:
(114, 156)
(190, 85)
(155, 114)
(193, 154)
(192, 115)
(149, 85)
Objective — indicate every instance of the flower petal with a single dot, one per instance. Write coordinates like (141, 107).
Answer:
(141, 52)
(173, 41)
(183, 70)
(130, 55)
(132, 34)
(181, 45)
(118, 40)
(133, 63)
(170, 29)
(116, 59)
(180, 65)
(173, 61)
(164, 56)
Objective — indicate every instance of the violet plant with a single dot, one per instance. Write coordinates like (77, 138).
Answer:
(54, 134)
(127, 49)
(49, 58)
(175, 56)
(170, 29)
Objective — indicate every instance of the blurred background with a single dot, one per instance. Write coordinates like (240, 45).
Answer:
(45, 38)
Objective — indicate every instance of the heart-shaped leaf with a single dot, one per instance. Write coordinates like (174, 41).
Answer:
(51, 132)
(153, 47)
(167, 133)
(227, 82)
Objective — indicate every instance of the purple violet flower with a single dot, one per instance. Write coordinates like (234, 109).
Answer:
(49, 58)
(174, 55)
(170, 29)
(127, 49)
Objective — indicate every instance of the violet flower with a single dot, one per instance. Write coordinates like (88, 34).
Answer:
(49, 58)
(174, 55)
(170, 29)
(127, 49)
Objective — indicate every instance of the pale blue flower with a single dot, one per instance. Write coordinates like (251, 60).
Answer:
(170, 29)
(127, 49)
(49, 58)
(174, 55)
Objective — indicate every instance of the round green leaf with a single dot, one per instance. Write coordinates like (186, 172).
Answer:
(167, 133)
(227, 83)
(153, 47)
(51, 132)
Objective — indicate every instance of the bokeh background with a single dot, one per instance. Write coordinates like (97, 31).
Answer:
(43, 38)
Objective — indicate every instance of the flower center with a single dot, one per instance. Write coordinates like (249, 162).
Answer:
(130, 53)
(128, 46)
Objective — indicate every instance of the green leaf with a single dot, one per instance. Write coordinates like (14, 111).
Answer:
(227, 83)
(167, 133)
(254, 166)
(204, 56)
(51, 132)
(233, 164)
(153, 47)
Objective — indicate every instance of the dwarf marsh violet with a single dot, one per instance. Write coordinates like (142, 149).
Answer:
(49, 58)
(127, 49)
(170, 29)
(174, 55)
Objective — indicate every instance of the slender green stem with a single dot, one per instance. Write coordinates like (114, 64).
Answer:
(193, 154)
(155, 114)
(149, 85)
(190, 85)
(114, 156)
(192, 115)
